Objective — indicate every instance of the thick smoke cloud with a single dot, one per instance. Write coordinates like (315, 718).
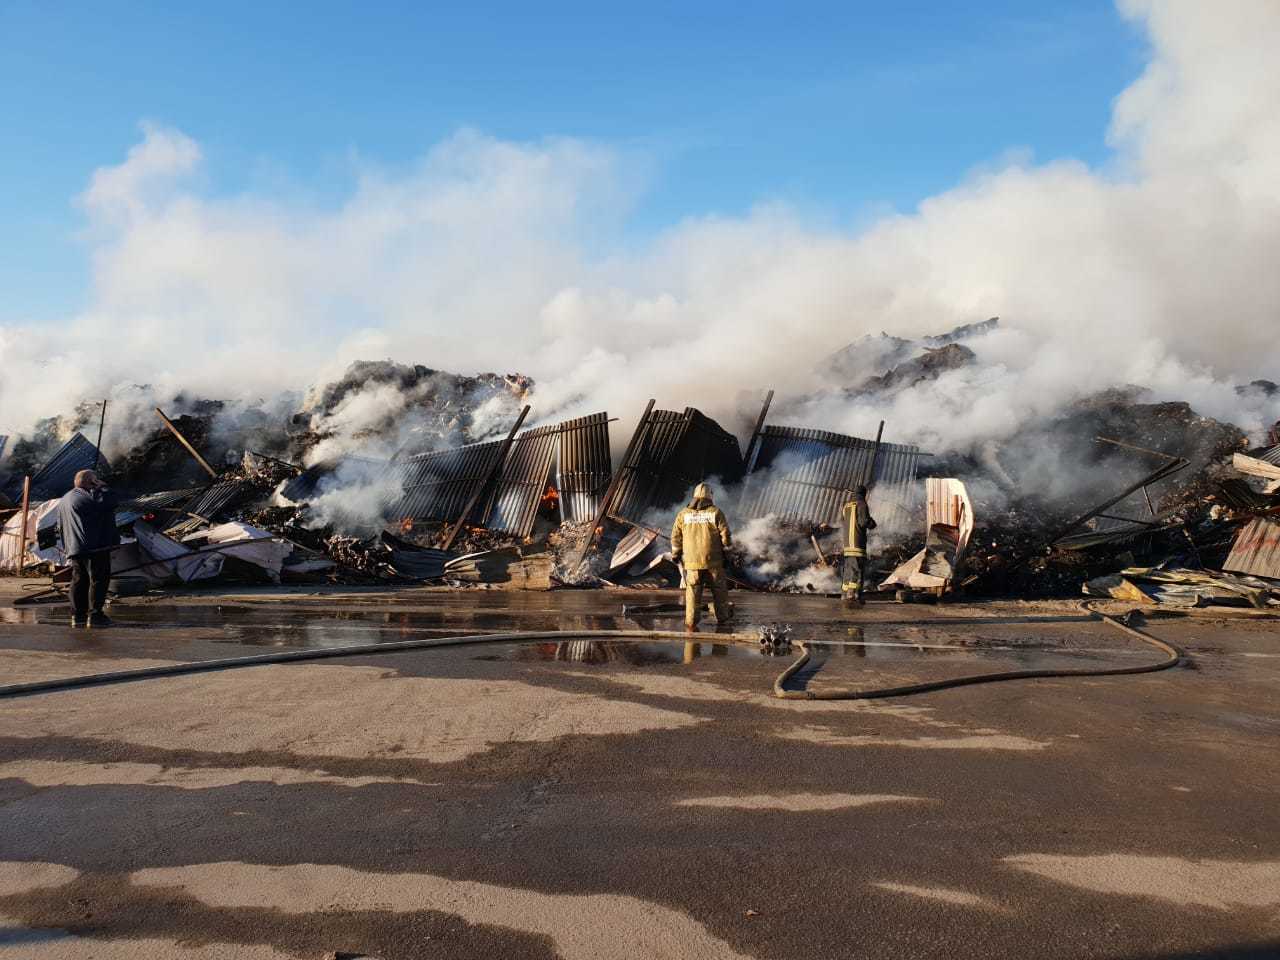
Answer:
(489, 255)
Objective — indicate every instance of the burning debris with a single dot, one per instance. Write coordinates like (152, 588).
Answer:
(404, 474)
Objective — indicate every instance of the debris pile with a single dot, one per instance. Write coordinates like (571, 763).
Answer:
(406, 474)
(403, 409)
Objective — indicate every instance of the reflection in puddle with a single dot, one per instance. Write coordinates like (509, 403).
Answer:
(838, 644)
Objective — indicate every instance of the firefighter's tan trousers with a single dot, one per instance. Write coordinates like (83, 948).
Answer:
(694, 581)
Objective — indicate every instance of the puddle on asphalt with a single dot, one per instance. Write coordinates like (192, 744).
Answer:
(835, 640)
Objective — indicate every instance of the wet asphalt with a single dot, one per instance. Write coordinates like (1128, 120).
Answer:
(1101, 817)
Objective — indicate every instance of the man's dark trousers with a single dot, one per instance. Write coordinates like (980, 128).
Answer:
(90, 577)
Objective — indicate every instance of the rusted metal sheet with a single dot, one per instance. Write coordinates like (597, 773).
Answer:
(1257, 549)
(803, 476)
(675, 452)
(585, 467)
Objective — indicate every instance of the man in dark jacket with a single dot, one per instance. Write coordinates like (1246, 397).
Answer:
(857, 521)
(87, 525)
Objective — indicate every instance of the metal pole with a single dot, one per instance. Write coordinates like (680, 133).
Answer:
(611, 491)
(755, 436)
(22, 535)
(485, 481)
(101, 423)
(183, 440)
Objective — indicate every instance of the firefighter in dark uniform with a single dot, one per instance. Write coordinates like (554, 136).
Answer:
(857, 520)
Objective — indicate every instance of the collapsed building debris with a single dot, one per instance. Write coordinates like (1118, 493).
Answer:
(806, 476)
(883, 361)
(406, 409)
(1256, 549)
(928, 366)
(1180, 587)
(561, 469)
(948, 527)
(669, 455)
(1039, 513)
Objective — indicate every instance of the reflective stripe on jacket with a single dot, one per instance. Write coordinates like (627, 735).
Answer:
(856, 517)
(700, 535)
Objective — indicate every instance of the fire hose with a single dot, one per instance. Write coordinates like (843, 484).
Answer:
(1173, 656)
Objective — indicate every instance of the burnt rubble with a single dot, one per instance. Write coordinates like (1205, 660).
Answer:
(1115, 486)
(929, 365)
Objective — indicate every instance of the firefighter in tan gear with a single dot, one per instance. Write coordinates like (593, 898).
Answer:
(856, 516)
(699, 538)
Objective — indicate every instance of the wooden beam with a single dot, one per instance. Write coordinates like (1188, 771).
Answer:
(22, 534)
(822, 557)
(486, 480)
(875, 456)
(755, 436)
(101, 423)
(611, 491)
(185, 443)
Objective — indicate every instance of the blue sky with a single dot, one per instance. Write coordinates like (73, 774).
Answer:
(843, 109)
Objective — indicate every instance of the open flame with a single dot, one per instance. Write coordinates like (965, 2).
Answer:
(550, 499)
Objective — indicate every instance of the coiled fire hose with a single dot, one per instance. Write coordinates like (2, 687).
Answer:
(367, 649)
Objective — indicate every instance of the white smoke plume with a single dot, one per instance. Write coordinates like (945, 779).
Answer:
(774, 555)
(1157, 270)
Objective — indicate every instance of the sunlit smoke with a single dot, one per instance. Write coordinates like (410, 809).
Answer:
(489, 255)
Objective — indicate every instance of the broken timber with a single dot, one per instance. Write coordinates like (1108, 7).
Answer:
(755, 434)
(185, 443)
(26, 513)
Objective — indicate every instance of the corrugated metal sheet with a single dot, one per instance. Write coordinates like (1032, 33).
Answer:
(513, 505)
(437, 485)
(4, 442)
(164, 500)
(1256, 550)
(58, 474)
(219, 498)
(676, 451)
(585, 466)
(802, 475)
(303, 486)
(1269, 454)
(214, 503)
